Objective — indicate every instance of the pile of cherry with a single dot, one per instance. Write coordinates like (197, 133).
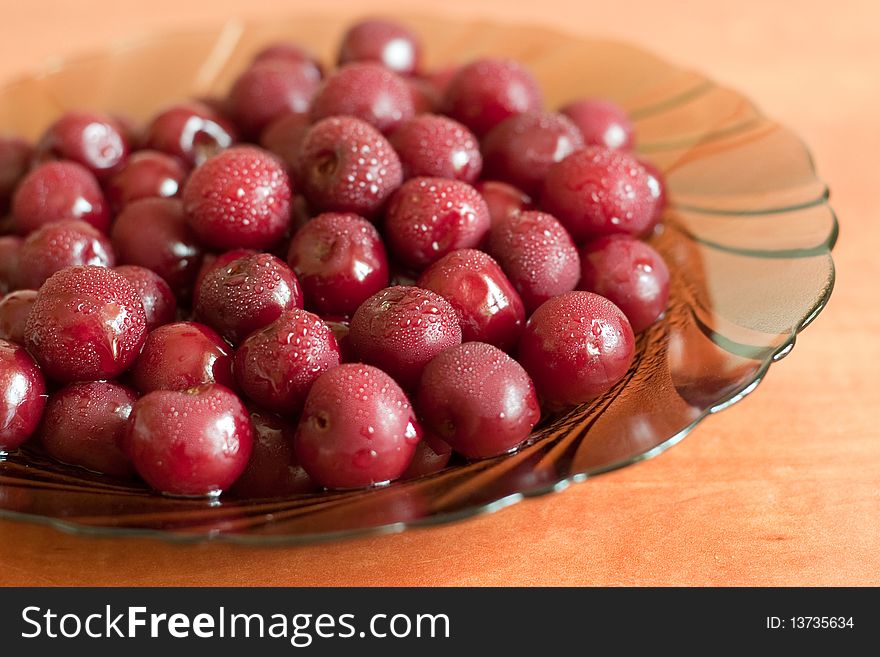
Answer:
(322, 279)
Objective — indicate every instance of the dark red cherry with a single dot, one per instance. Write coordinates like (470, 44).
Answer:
(180, 356)
(284, 50)
(478, 399)
(521, 149)
(277, 365)
(160, 306)
(146, 174)
(284, 136)
(433, 145)
(270, 89)
(61, 244)
(273, 469)
(84, 424)
(576, 347)
(168, 247)
(346, 165)
(191, 443)
(400, 329)
(59, 191)
(602, 123)
(15, 160)
(10, 247)
(247, 294)
(485, 92)
(488, 307)
(503, 200)
(657, 184)
(387, 42)
(425, 96)
(239, 199)
(357, 428)
(15, 308)
(597, 191)
(432, 455)
(631, 274)
(22, 396)
(340, 261)
(192, 131)
(367, 91)
(214, 261)
(430, 217)
(96, 141)
(87, 324)
(537, 255)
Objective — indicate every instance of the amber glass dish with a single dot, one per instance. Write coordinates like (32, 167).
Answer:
(748, 235)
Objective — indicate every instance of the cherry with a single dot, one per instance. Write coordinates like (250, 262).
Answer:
(346, 165)
(357, 428)
(433, 145)
(168, 247)
(521, 149)
(631, 274)
(146, 174)
(601, 122)
(61, 244)
(367, 91)
(425, 97)
(597, 191)
(400, 329)
(270, 89)
(191, 131)
(95, 141)
(58, 191)
(430, 217)
(503, 200)
(657, 185)
(277, 365)
(386, 42)
(10, 247)
(284, 136)
(87, 324)
(286, 51)
(478, 399)
(191, 443)
(273, 469)
(84, 423)
(487, 305)
(239, 199)
(432, 455)
(180, 356)
(214, 261)
(15, 160)
(340, 261)
(537, 255)
(14, 310)
(160, 306)
(576, 347)
(247, 294)
(485, 92)
(22, 395)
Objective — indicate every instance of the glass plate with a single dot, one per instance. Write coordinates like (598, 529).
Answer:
(748, 236)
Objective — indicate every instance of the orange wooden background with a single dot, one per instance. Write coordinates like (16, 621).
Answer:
(782, 489)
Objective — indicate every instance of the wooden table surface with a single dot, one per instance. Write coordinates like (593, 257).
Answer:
(784, 488)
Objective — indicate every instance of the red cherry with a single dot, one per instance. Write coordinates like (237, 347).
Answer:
(631, 274)
(15, 308)
(400, 329)
(146, 174)
(58, 245)
(357, 428)
(247, 294)
(9, 249)
(287, 51)
(487, 305)
(95, 141)
(602, 123)
(386, 42)
(84, 424)
(180, 356)
(58, 191)
(15, 159)
(87, 324)
(278, 364)
(160, 306)
(432, 145)
(478, 399)
(576, 347)
(190, 131)
(283, 137)
(22, 395)
(191, 443)
(239, 199)
(503, 200)
(340, 261)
